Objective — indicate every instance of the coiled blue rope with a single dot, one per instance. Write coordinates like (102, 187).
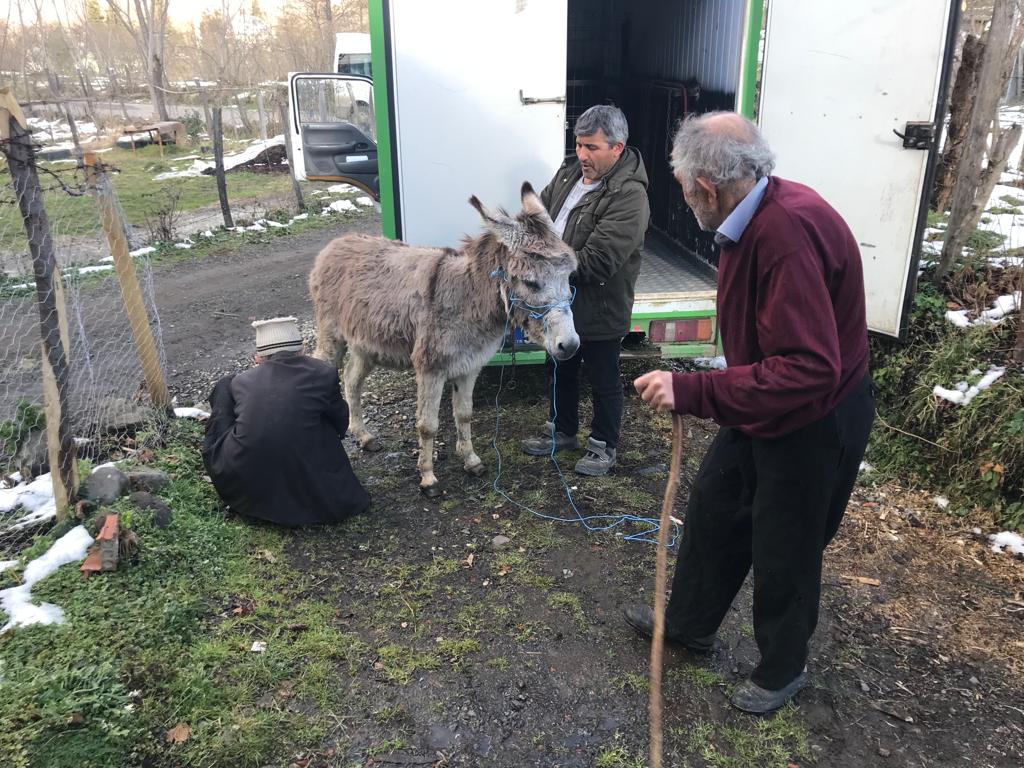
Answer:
(592, 523)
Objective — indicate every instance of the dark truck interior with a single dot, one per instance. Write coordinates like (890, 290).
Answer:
(658, 61)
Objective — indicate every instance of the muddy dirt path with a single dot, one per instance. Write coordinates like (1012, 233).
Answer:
(514, 654)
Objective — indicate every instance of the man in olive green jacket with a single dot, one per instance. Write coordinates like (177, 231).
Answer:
(598, 201)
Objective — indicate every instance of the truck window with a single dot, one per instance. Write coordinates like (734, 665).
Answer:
(322, 100)
(354, 64)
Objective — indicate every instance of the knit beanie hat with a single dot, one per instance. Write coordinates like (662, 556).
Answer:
(279, 334)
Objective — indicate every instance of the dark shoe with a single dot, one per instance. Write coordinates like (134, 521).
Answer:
(751, 697)
(599, 459)
(641, 618)
(541, 445)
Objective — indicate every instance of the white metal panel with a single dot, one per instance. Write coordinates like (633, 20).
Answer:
(838, 78)
(459, 68)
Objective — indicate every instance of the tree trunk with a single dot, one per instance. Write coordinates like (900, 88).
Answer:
(117, 93)
(1003, 142)
(218, 158)
(156, 91)
(243, 117)
(986, 103)
(1018, 348)
(960, 102)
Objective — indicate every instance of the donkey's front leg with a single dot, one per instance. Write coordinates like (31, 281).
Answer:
(429, 387)
(462, 409)
(357, 369)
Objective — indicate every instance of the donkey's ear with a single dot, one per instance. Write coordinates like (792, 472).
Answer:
(532, 203)
(500, 224)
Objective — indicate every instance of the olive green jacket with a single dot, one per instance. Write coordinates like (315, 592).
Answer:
(606, 229)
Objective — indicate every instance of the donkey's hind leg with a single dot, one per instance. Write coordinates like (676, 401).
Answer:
(356, 371)
(462, 409)
(429, 387)
(329, 347)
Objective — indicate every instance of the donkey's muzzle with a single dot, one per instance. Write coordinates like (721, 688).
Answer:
(566, 349)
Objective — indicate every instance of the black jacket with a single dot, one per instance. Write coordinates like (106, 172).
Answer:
(273, 444)
(606, 229)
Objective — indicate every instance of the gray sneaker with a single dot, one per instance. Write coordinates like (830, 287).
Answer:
(751, 697)
(599, 459)
(541, 444)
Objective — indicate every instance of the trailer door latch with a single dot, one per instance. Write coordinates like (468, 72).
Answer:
(919, 135)
(525, 100)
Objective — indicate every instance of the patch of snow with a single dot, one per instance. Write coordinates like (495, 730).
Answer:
(36, 498)
(184, 244)
(1007, 540)
(931, 247)
(191, 413)
(1001, 307)
(95, 268)
(364, 201)
(206, 233)
(142, 251)
(17, 601)
(340, 206)
(5, 564)
(941, 502)
(1002, 262)
(866, 468)
(252, 152)
(962, 393)
(196, 169)
(298, 217)
(339, 189)
(714, 363)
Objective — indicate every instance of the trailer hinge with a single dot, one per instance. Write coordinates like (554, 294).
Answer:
(532, 100)
(919, 135)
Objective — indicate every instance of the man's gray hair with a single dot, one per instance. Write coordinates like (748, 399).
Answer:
(721, 156)
(602, 117)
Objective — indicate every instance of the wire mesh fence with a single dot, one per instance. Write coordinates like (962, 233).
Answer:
(69, 335)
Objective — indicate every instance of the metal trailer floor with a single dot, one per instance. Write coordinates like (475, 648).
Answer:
(664, 268)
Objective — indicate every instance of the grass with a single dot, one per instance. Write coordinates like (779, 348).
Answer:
(760, 743)
(138, 194)
(571, 605)
(972, 453)
(167, 641)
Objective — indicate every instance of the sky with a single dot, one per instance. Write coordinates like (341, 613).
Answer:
(183, 12)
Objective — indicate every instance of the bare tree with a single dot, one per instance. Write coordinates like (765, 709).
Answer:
(966, 205)
(148, 29)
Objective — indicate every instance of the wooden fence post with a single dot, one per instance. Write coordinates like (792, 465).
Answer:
(218, 157)
(287, 129)
(131, 293)
(49, 300)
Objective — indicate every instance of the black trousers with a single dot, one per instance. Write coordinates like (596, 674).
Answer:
(774, 505)
(602, 364)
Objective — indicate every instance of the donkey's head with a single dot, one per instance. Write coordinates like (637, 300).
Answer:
(533, 268)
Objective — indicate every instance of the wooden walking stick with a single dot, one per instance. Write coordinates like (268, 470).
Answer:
(660, 574)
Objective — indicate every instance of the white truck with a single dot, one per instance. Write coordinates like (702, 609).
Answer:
(472, 97)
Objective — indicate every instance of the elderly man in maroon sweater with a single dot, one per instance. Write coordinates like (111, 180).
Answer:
(795, 404)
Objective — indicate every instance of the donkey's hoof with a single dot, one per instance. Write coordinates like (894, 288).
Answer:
(434, 491)
(476, 470)
(372, 445)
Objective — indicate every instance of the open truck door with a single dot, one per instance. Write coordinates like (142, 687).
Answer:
(475, 97)
(333, 128)
(851, 102)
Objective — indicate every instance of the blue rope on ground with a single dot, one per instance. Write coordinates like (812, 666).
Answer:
(592, 523)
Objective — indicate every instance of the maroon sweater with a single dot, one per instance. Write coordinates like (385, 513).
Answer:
(791, 318)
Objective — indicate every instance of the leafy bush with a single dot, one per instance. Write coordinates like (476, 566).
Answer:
(975, 452)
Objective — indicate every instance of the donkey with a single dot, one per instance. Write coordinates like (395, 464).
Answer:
(443, 312)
